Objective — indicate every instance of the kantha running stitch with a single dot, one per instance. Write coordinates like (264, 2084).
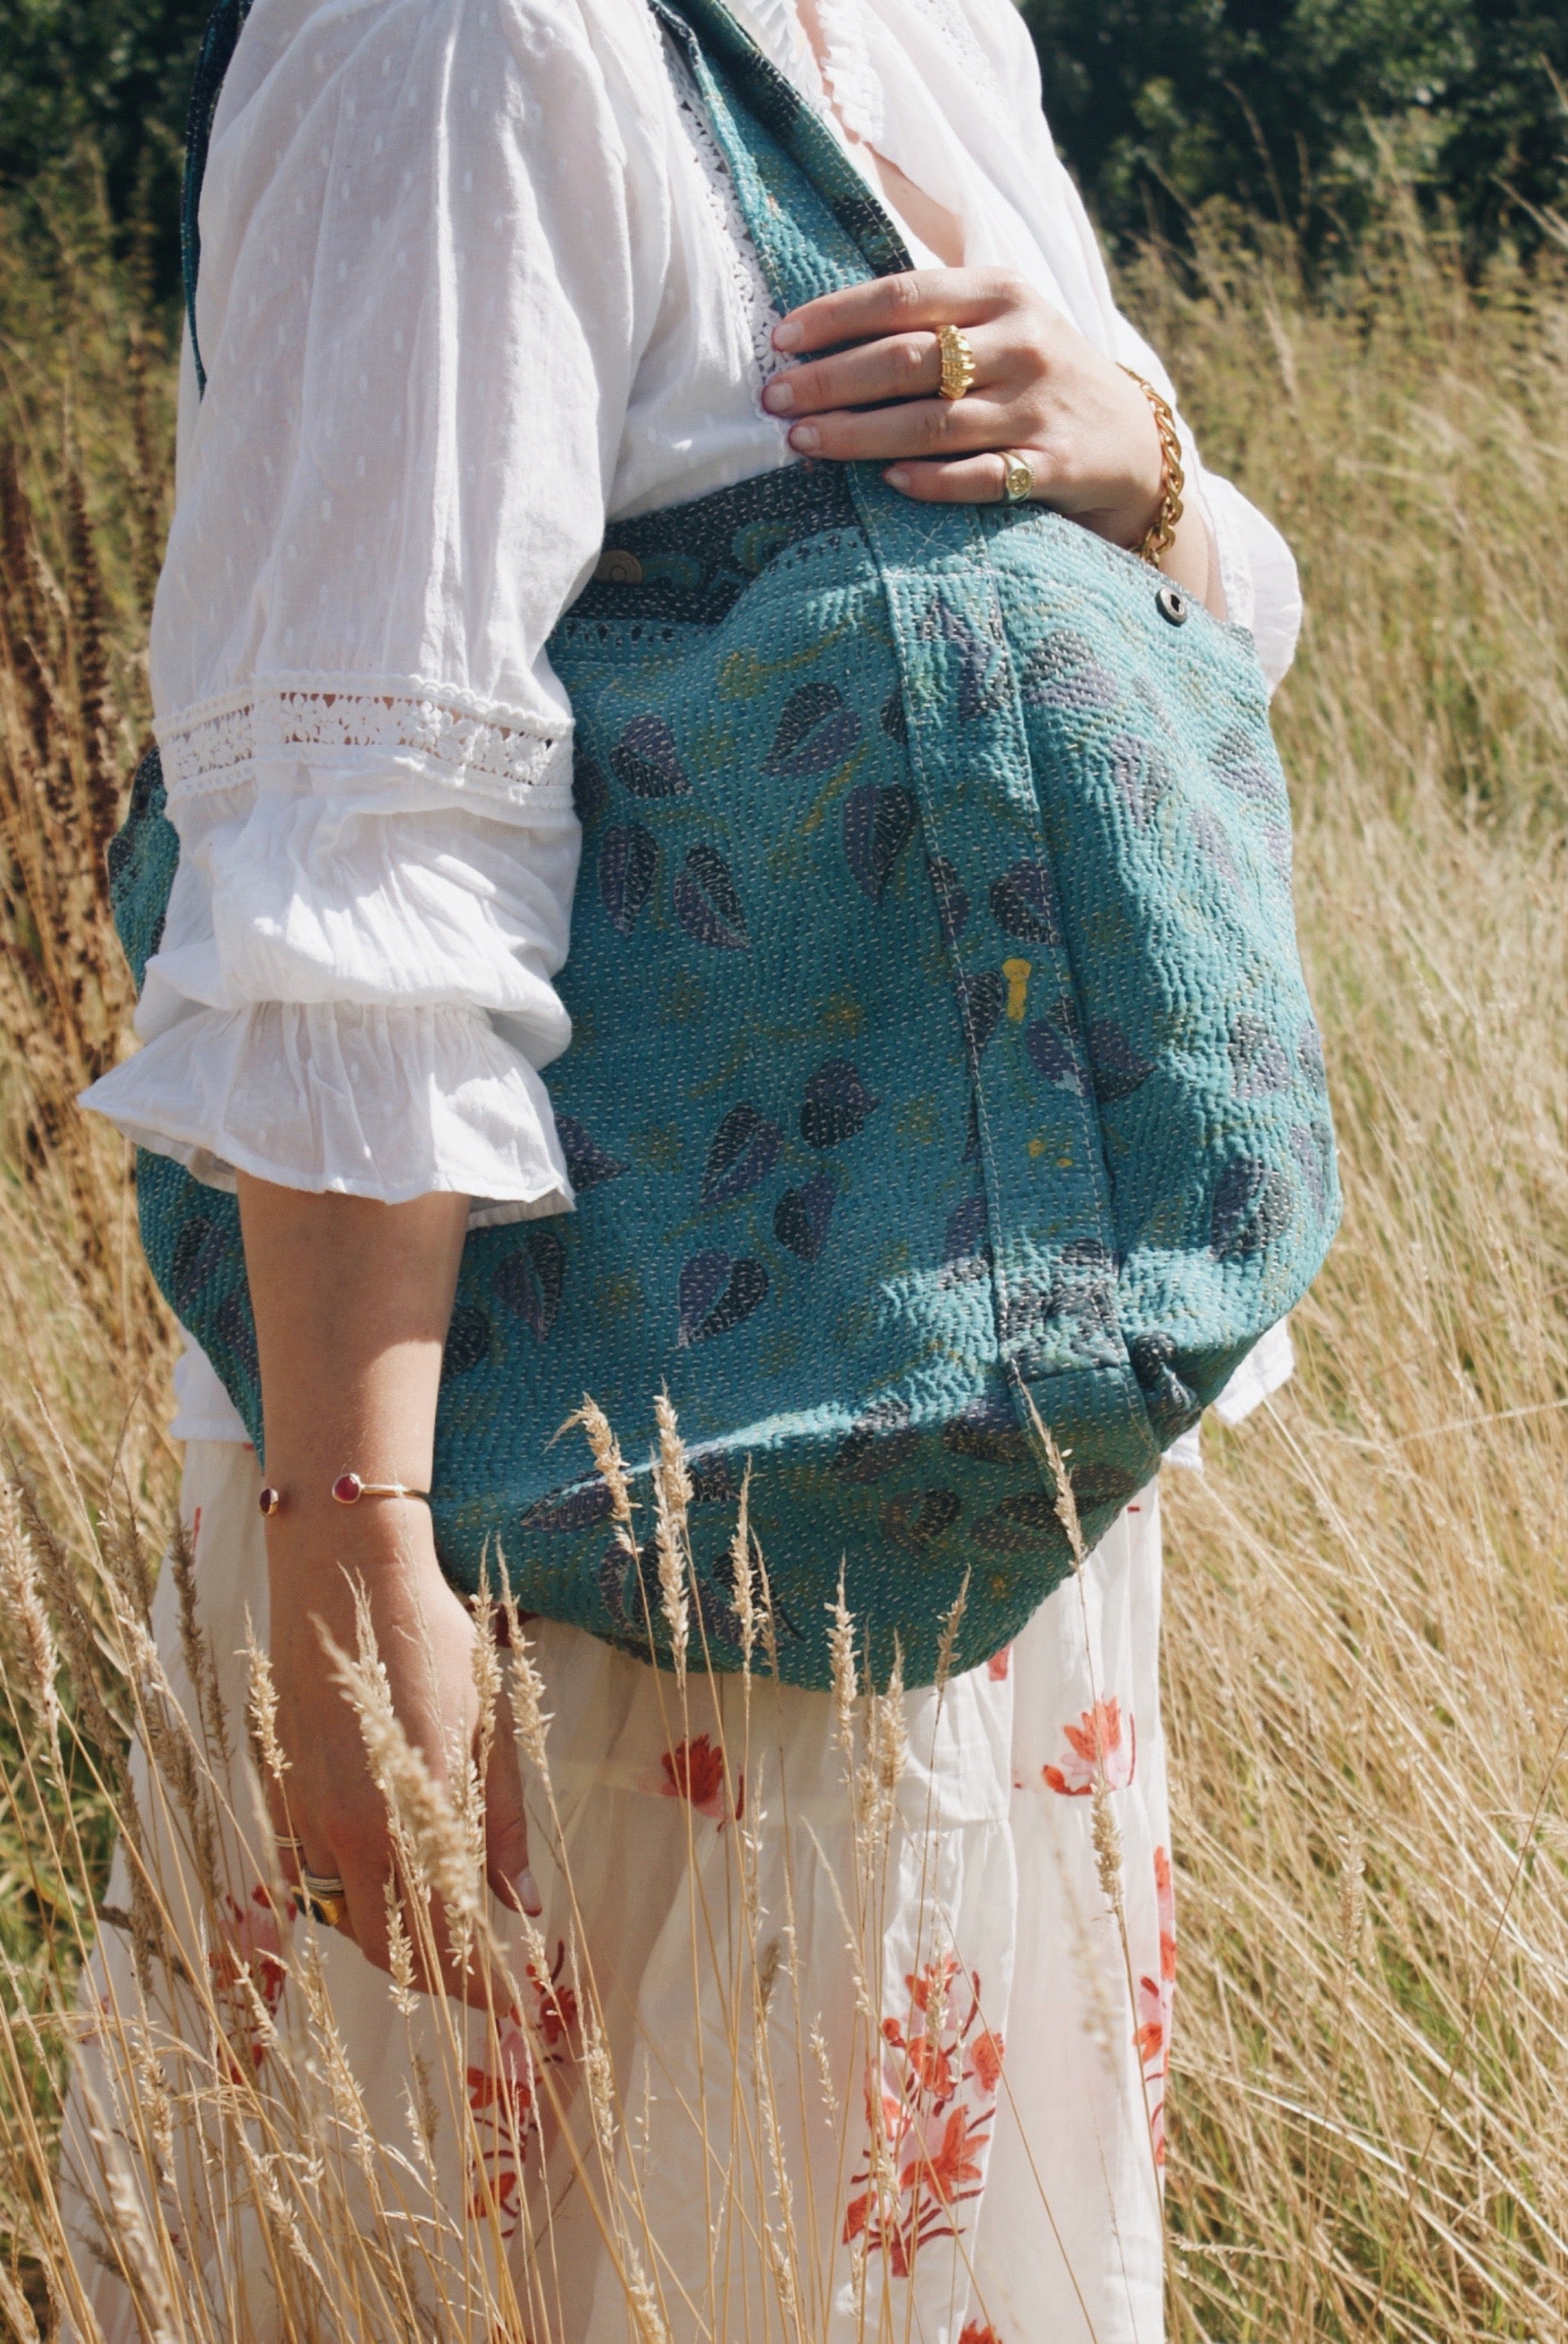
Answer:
(941, 1043)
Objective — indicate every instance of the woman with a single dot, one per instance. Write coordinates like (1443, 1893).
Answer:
(474, 285)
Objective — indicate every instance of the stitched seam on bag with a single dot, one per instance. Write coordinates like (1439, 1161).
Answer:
(320, 719)
(927, 800)
(1092, 1127)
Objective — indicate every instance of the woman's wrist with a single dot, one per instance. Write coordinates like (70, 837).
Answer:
(348, 1488)
(398, 1545)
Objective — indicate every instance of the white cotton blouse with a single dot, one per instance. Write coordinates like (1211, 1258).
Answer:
(473, 284)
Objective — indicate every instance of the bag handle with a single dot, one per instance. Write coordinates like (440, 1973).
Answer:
(772, 99)
(218, 44)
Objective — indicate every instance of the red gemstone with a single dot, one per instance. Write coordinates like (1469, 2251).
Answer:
(271, 1500)
(346, 1488)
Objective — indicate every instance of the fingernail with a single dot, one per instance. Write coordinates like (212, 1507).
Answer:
(898, 477)
(787, 337)
(805, 436)
(779, 395)
(528, 1896)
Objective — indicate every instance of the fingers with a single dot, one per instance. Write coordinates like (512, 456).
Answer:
(362, 1915)
(505, 1824)
(900, 366)
(966, 480)
(379, 1901)
(925, 298)
(289, 1849)
(919, 428)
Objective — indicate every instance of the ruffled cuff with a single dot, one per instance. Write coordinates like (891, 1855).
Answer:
(1257, 572)
(347, 1099)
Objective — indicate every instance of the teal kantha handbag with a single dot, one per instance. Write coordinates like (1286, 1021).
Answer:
(940, 1039)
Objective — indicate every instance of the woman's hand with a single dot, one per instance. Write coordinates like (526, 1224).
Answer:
(352, 1301)
(1040, 390)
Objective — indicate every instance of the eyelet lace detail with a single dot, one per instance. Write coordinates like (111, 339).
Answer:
(957, 30)
(752, 287)
(853, 81)
(473, 744)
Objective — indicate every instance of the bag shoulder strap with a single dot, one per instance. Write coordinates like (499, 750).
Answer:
(218, 44)
(709, 35)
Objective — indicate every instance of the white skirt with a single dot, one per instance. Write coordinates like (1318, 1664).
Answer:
(757, 1995)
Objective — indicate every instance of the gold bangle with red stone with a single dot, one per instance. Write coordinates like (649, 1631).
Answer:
(348, 1491)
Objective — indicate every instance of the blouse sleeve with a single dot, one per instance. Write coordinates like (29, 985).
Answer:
(431, 257)
(1257, 569)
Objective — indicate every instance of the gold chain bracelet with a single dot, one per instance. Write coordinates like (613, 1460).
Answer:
(1160, 534)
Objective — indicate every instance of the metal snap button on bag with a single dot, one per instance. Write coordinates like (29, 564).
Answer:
(1172, 604)
(615, 567)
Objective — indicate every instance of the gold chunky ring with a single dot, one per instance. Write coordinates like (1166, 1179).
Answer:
(958, 363)
(321, 1897)
(1017, 480)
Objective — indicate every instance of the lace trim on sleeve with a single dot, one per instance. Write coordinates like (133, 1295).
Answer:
(473, 744)
(751, 287)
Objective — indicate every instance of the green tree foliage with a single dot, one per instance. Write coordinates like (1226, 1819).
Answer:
(1280, 107)
(86, 84)
(1159, 105)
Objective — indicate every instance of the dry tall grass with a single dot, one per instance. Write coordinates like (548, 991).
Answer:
(1367, 1644)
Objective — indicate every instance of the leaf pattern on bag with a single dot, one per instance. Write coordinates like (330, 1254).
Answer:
(591, 792)
(586, 1162)
(1253, 1203)
(530, 1282)
(468, 1341)
(912, 1522)
(645, 761)
(1117, 1068)
(1258, 1062)
(816, 732)
(982, 661)
(801, 1216)
(877, 826)
(744, 1150)
(882, 1441)
(1143, 775)
(982, 999)
(627, 864)
(837, 1106)
(198, 1251)
(1023, 900)
(1054, 1054)
(717, 1294)
(1063, 673)
(707, 903)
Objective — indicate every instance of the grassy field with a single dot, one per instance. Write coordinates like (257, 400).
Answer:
(1367, 1639)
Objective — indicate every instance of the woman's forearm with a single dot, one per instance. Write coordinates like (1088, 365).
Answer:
(352, 1301)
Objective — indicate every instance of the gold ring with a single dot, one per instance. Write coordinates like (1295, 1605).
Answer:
(320, 1896)
(1017, 479)
(958, 363)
